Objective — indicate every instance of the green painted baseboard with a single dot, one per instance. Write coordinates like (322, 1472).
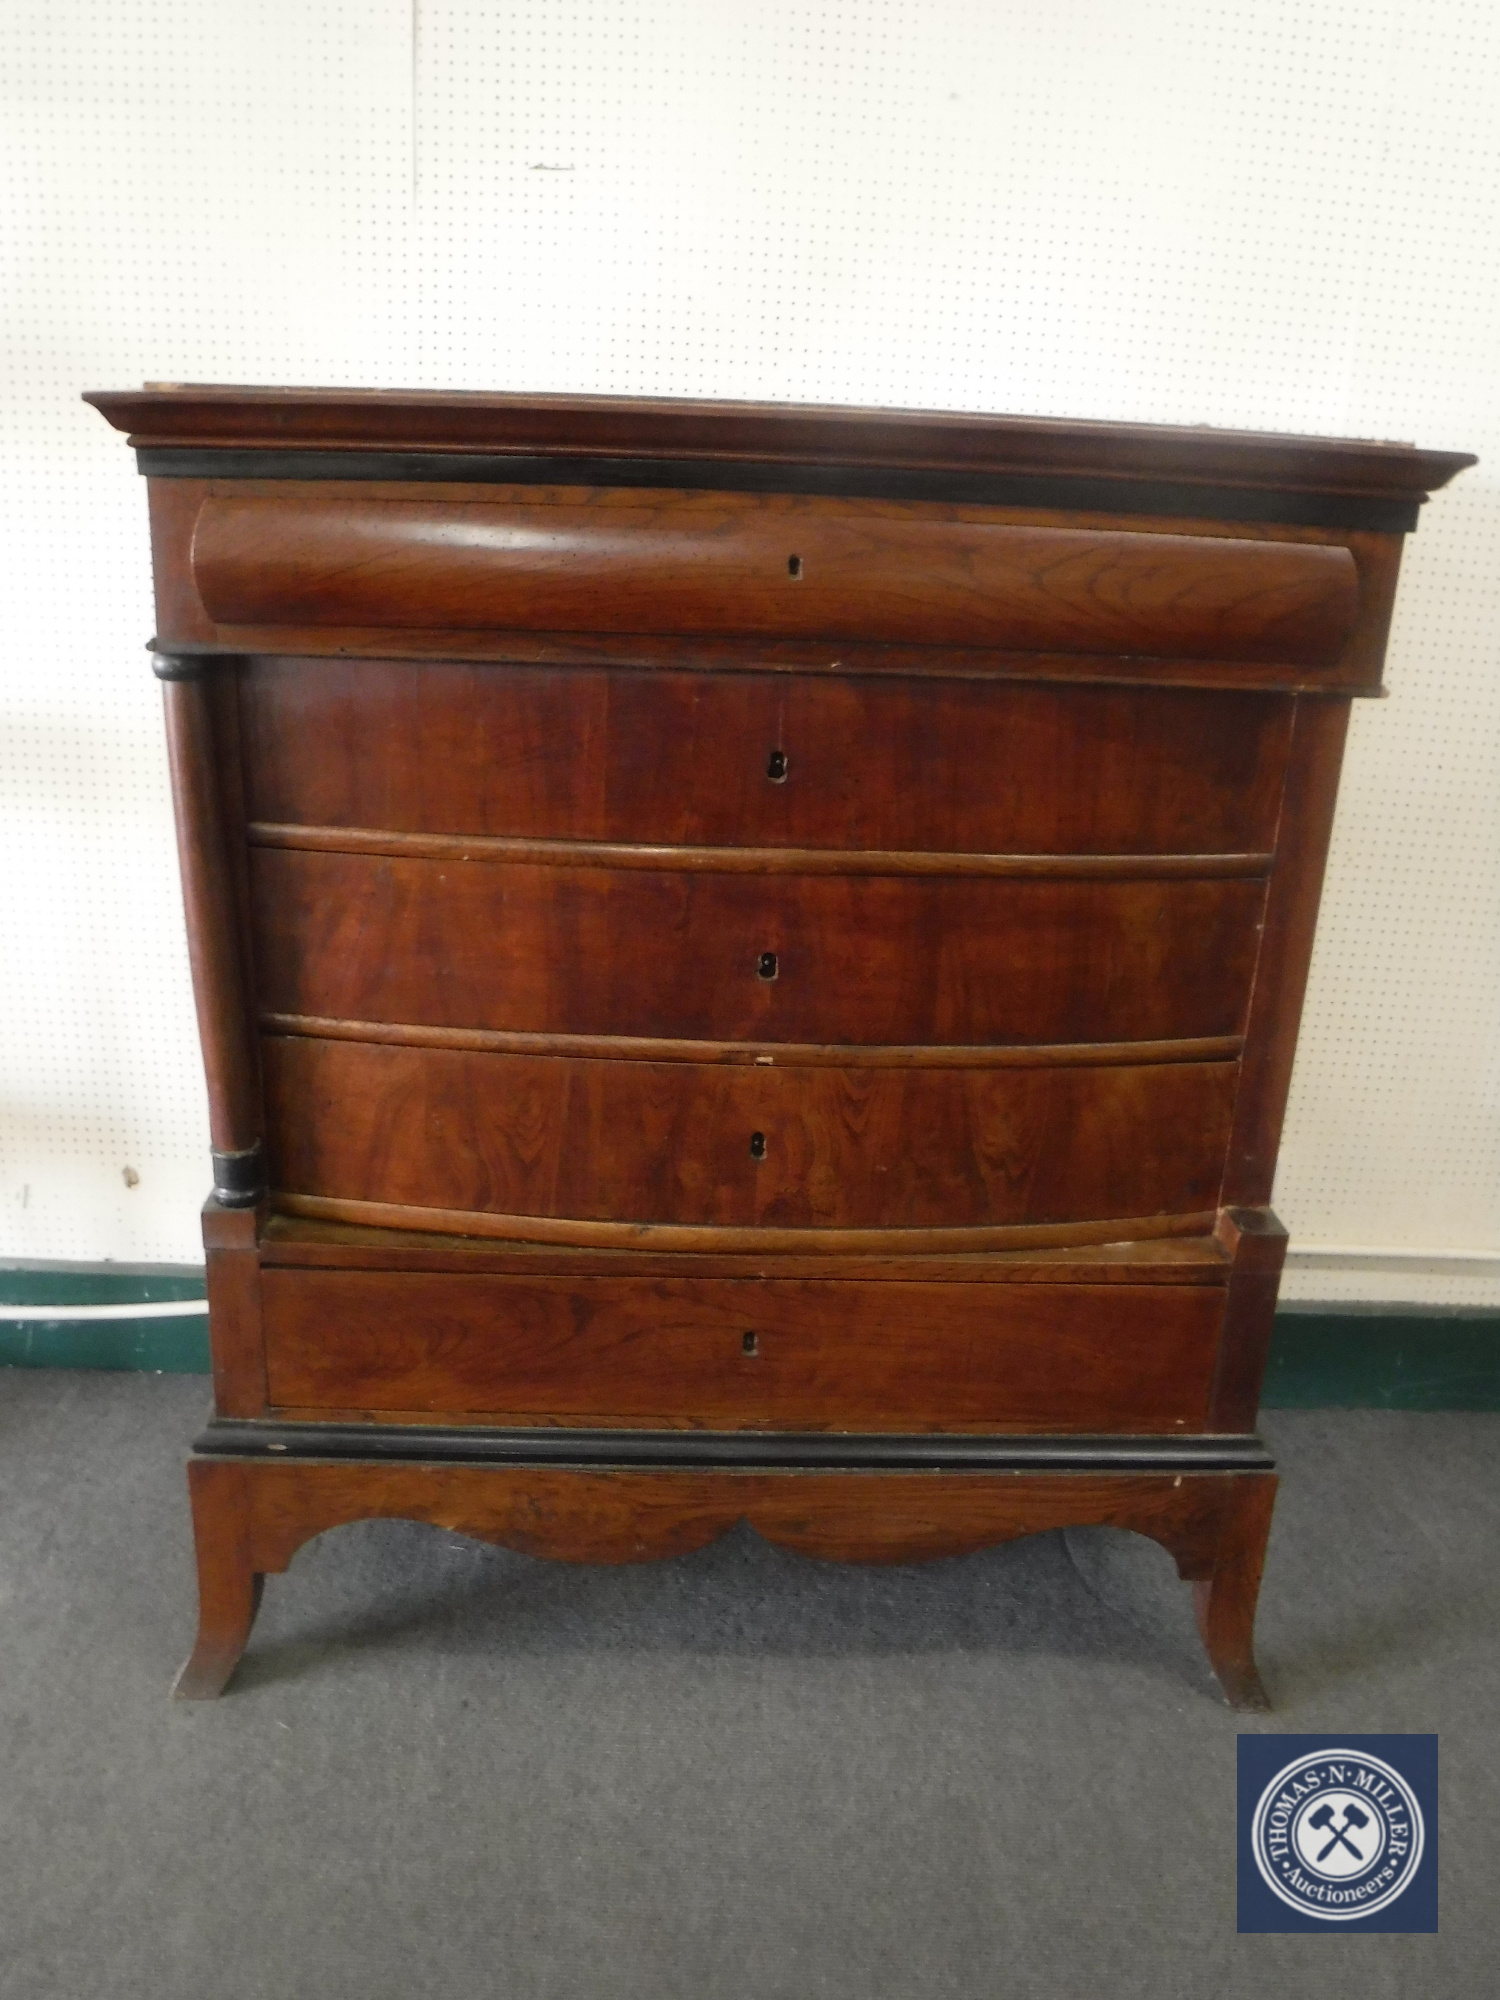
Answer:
(1322, 1357)
(1383, 1358)
(100, 1317)
(155, 1346)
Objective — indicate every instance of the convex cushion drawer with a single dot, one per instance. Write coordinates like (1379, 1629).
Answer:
(778, 566)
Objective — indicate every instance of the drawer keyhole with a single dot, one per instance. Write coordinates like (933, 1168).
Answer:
(794, 567)
(766, 966)
(749, 1344)
(776, 767)
(757, 1145)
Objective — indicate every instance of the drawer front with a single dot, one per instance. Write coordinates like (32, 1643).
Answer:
(756, 760)
(729, 1145)
(772, 567)
(745, 1353)
(728, 956)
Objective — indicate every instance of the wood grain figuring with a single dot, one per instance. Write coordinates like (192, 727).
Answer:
(252, 1517)
(785, 567)
(725, 1354)
(673, 1142)
(682, 759)
(472, 944)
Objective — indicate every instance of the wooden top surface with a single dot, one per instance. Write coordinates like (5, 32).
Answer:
(584, 427)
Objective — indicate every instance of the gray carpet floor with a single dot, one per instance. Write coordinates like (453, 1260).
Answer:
(448, 1770)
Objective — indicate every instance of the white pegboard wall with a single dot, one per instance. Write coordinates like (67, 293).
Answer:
(189, 189)
(1276, 217)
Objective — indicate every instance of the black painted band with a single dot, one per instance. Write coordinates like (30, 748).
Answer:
(746, 1451)
(240, 1178)
(180, 666)
(1070, 492)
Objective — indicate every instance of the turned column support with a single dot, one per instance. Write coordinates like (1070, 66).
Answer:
(215, 949)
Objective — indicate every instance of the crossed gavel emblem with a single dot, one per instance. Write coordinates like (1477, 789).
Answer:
(1323, 1817)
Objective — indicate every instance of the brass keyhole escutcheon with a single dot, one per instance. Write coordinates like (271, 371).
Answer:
(777, 765)
(757, 1145)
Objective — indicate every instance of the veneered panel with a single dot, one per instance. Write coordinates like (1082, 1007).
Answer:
(732, 1354)
(677, 1142)
(584, 950)
(689, 758)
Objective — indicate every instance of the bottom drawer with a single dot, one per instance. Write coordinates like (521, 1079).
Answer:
(732, 1353)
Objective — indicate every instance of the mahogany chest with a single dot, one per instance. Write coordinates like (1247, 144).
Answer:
(748, 961)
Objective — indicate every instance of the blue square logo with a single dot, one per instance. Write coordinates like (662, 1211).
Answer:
(1338, 1833)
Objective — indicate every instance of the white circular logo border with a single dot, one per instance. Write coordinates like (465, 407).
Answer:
(1419, 1835)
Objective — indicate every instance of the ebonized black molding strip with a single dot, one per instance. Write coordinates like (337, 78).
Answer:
(746, 1451)
(1181, 498)
(240, 1178)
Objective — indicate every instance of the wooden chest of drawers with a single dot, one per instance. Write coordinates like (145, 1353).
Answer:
(748, 962)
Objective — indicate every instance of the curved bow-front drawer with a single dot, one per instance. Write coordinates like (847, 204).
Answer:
(772, 567)
(761, 760)
(616, 1144)
(710, 955)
